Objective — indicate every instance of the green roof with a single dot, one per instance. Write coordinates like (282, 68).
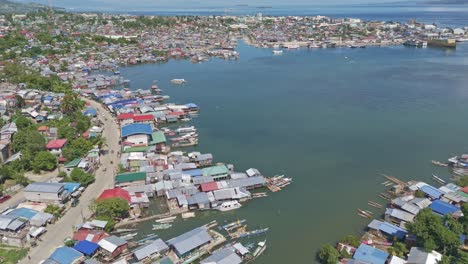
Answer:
(215, 170)
(158, 137)
(131, 176)
(136, 149)
(462, 194)
(73, 163)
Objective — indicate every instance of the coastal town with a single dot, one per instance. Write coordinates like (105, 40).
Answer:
(85, 154)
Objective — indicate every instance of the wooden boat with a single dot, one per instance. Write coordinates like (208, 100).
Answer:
(161, 226)
(260, 248)
(438, 163)
(438, 179)
(129, 236)
(234, 223)
(254, 232)
(178, 81)
(166, 220)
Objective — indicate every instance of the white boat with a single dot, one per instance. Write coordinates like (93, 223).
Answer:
(436, 178)
(185, 130)
(228, 206)
(178, 81)
(161, 226)
(277, 52)
(166, 220)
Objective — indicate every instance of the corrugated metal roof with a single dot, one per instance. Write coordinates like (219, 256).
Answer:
(134, 129)
(65, 255)
(129, 177)
(443, 208)
(432, 191)
(399, 214)
(111, 243)
(198, 198)
(156, 246)
(370, 254)
(223, 256)
(248, 182)
(45, 187)
(190, 240)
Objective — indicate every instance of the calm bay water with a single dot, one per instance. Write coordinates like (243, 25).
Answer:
(333, 119)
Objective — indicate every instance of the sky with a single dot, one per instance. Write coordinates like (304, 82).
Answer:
(183, 4)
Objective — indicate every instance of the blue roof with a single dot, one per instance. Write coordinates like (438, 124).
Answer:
(443, 208)
(71, 186)
(86, 247)
(432, 191)
(23, 212)
(462, 238)
(370, 254)
(392, 230)
(65, 255)
(194, 172)
(90, 111)
(134, 129)
(191, 105)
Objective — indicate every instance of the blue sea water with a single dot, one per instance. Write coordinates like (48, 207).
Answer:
(333, 119)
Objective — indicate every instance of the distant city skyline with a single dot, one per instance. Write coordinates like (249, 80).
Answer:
(184, 4)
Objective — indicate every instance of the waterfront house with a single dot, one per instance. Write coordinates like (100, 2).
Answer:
(112, 246)
(398, 216)
(190, 241)
(219, 172)
(369, 254)
(45, 192)
(92, 235)
(55, 146)
(222, 256)
(388, 229)
(151, 251)
(443, 208)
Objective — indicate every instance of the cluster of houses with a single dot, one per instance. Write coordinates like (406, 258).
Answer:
(94, 245)
(322, 31)
(410, 199)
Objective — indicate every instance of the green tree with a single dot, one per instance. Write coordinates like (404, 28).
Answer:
(22, 122)
(54, 210)
(463, 181)
(432, 234)
(44, 160)
(328, 254)
(28, 139)
(398, 249)
(351, 240)
(78, 175)
(112, 208)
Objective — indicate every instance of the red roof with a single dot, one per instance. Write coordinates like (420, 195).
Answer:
(56, 144)
(86, 134)
(90, 235)
(209, 186)
(125, 116)
(115, 193)
(148, 117)
(465, 189)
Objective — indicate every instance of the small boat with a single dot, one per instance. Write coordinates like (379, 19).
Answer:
(277, 52)
(228, 206)
(154, 87)
(254, 232)
(234, 223)
(261, 246)
(129, 236)
(162, 226)
(438, 163)
(438, 179)
(178, 81)
(166, 220)
(188, 215)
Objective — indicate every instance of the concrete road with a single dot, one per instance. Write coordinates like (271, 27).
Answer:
(63, 228)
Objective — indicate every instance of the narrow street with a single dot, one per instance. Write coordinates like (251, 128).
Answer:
(63, 228)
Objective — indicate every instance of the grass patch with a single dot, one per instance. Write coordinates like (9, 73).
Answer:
(11, 255)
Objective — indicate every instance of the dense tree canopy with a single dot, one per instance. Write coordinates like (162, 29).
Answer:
(432, 234)
(44, 160)
(328, 254)
(78, 175)
(112, 208)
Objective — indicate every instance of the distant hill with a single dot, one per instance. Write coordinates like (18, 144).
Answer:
(15, 7)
